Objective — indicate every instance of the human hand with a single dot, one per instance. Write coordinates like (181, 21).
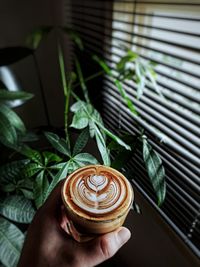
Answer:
(48, 245)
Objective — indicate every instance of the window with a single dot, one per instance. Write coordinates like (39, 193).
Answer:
(166, 32)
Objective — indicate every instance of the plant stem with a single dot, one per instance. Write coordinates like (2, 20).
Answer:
(66, 111)
(91, 77)
(66, 90)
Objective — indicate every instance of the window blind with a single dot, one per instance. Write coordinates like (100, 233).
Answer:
(166, 32)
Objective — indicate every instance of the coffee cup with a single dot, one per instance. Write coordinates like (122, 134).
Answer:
(97, 199)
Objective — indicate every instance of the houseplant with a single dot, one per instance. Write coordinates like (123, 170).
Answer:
(27, 181)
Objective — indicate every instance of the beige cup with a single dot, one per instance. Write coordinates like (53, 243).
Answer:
(97, 199)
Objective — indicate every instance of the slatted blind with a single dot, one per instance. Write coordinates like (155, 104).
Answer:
(166, 32)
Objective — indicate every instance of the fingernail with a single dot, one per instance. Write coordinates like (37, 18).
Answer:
(123, 235)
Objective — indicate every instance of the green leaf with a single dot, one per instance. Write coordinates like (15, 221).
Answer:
(104, 151)
(58, 143)
(81, 141)
(13, 118)
(126, 98)
(50, 157)
(17, 209)
(80, 120)
(6, 95)
(11, 242)
(85, 159)
(102, 63)
(155, 170)
(10, 172)
(62, 173)
(41, 186)
(30, 170)
(8, 135)
(32, 154)
(77, 106)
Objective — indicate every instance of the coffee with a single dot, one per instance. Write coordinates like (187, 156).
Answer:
(97, 198)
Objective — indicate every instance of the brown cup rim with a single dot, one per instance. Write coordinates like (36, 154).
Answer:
(98, 218)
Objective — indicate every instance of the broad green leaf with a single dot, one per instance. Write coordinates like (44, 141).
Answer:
(17, 209)
(41, 186)
(104, 151)
(81, 80)
(126, 98)
(32, 154)
(85, 158)
(11, 242)
(77, 106)
(80, 120)
(62, 173)
(6, 95)
(155, 170)
(58, 143)
(8, 135)
(13, 118)
(10, 172)
(50, 157)
(30, 170)
(81, 141)
(103, 64)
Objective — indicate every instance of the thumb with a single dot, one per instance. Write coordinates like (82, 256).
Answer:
(105, 246)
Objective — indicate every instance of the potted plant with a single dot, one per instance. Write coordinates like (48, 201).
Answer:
(27, 180)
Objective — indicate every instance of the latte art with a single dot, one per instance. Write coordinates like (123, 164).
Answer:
(98, 194)
(97, 198)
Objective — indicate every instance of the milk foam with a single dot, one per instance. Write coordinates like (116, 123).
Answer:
(98, 194)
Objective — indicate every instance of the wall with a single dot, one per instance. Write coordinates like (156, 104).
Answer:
(17, 19)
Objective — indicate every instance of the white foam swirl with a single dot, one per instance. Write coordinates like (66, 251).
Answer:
(98, 194)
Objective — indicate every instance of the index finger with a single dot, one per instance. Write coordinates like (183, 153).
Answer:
(54, 201)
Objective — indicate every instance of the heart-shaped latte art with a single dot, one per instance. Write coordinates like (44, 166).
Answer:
(98, 194)
(97, 191)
